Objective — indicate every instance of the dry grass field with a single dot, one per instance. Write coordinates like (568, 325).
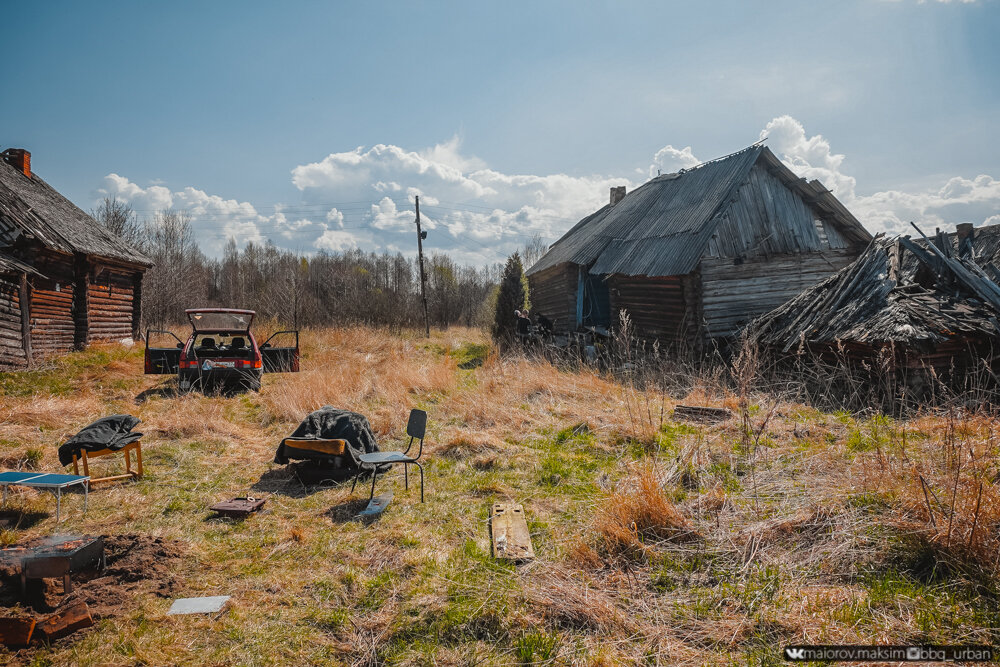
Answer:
(658, 542)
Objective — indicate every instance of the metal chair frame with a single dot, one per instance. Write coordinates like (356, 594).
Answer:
(416, 428)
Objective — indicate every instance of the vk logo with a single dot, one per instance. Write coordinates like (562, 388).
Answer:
(795, 653)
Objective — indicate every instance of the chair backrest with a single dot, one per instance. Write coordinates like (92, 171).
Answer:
(416, 427)
(208, 343)
(238, 343)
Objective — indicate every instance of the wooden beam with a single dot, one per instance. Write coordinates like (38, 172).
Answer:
(81, 302)
(15, 631)
(137, 306)
(65, 621)
(511, 539)
(25, 300)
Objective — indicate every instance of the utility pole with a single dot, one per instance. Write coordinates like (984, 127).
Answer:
(423, 281)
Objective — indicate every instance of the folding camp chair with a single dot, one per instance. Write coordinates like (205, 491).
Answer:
(416, 427)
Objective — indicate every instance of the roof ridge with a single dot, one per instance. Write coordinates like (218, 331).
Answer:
(751, 147)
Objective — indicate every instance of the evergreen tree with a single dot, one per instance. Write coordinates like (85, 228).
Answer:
(512, 295)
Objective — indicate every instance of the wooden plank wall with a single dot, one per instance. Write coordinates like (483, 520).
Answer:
(110, 306)
(658, 307)
(553, 293)
(11, 348)
(52, 326)
(733, 294)
(767, 218)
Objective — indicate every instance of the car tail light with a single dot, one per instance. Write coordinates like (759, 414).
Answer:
(257, 363)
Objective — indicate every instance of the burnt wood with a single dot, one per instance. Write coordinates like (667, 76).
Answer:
(64, 622)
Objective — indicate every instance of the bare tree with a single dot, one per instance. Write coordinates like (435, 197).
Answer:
(352, 287)
(533, 250)
(180, 275)
(119, 218)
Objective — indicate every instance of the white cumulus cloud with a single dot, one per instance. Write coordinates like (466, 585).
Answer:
(959, 199)
(363, 198)
(669, 160)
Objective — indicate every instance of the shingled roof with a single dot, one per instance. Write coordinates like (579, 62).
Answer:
(30, 206)
(663, 227)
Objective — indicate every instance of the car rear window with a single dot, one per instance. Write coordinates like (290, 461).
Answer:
(220, 321)
(222, 345)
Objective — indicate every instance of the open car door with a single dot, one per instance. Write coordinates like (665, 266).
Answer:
(277, 359)
(162, 360)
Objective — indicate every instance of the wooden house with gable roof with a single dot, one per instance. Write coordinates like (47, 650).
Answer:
(65, 279)
(694, 256)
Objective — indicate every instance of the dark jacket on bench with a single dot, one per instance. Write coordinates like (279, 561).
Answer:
(112, 432)
(330, 423)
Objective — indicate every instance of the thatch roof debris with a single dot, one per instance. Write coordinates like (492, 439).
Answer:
(900, 291)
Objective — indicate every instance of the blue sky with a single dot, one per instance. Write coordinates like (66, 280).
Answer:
(511, 119)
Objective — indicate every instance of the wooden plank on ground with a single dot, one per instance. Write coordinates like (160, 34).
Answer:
(238, 507)
(511, 539)
(701, 413)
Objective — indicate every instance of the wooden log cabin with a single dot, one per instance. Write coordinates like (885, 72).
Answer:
(694, 256)
(65, 279)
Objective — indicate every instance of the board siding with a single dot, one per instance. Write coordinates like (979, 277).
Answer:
(766, 218)
(733, 294)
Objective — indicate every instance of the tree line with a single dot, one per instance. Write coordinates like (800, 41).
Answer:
(328, 288)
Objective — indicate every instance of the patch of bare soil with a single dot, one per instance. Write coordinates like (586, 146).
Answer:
(135, 566)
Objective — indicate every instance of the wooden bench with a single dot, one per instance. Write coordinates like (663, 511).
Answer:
(320, 446)
(84, 456)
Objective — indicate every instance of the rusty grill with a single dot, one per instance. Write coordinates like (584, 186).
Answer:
(56, 557)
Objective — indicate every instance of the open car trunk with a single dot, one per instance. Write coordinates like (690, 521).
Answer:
(162, 359)
(281, 355)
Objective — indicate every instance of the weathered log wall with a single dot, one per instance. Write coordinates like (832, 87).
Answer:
(53, 328)
(11, 346)
(553, 294)
(78, 302)
(110, 305)
(659, 308)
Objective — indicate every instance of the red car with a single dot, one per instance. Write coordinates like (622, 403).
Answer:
(221, 354)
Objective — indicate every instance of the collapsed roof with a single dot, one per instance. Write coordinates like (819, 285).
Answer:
(919, 293)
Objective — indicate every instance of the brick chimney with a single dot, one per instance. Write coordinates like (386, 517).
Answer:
(966, 238)
(617, 194)
(19, 158)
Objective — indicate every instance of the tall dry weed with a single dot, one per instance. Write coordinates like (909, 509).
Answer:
(637, 513)
(946, 485)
